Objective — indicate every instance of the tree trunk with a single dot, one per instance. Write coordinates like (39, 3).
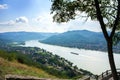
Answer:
(111, 60)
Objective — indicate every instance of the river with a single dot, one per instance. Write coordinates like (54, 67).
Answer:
(93, 61)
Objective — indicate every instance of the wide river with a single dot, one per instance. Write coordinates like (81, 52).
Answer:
(94, 61)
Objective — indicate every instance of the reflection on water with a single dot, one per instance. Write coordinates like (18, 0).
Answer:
(94, 61)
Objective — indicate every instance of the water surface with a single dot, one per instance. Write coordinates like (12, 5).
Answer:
(94, 61)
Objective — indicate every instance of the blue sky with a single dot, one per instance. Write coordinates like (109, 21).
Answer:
(34, 16)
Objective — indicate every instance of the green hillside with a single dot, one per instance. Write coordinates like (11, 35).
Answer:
(16, 68)
(22, 64)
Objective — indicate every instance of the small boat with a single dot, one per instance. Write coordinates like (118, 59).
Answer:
(74, 53)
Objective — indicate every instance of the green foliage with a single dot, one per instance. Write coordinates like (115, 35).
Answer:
(16, 68)
(7, 56)
(86, 72)
(116, 38)
(64, 10)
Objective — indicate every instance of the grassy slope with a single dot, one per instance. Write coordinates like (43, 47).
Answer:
(13, 67)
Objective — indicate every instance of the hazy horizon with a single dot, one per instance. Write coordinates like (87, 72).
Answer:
(49, 32)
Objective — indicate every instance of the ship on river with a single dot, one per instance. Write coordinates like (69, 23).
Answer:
(74, 53)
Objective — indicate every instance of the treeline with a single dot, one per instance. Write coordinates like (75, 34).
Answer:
(100, 46)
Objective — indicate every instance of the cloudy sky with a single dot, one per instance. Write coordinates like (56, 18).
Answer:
(34, 16)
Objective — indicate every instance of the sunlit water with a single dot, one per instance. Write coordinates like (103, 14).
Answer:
(94, 61)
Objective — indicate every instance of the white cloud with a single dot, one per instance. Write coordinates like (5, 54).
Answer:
(11, 22)
(3, 6)
(7, 23)
(16, 22)
(12, 26)
(19, 24)
(22, 19)
(45, 23)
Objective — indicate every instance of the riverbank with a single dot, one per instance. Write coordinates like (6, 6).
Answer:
(93, 61)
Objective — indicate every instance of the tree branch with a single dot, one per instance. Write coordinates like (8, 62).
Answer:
(115, 8)
(100, 18)
(116, 20)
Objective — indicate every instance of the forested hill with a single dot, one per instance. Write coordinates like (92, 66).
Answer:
(24, 36)
(80, 39)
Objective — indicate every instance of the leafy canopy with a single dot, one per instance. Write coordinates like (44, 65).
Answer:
(65, 10)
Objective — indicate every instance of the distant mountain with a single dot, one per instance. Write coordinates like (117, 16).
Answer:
(79, 39)
(76, 36)
(24, 36)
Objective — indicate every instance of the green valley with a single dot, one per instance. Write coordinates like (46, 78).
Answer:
(32, 59)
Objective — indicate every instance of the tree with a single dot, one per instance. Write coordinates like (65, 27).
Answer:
(107, 12)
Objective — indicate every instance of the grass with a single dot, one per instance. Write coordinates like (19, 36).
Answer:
(15, 68)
